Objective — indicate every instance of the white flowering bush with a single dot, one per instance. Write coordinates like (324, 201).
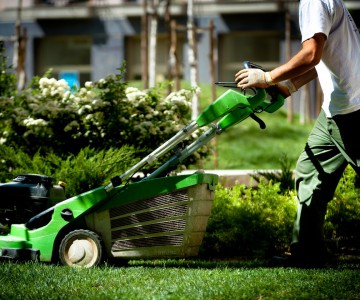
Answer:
(49, 116)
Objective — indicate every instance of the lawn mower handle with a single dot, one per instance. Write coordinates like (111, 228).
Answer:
(230, 108)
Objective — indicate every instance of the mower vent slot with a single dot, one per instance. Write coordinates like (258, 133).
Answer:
(165, 225)
(168, 212)
(176, 225)
(172, 240)
(160, 200)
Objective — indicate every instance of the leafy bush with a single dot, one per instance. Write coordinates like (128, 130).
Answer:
(88, 169)
(52, 129)
(342, 219)
(50, 117)
(250, 221)
(259, 221)
(92, 168)
(14, 162)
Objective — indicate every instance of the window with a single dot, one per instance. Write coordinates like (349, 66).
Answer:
(262, 48)
(64, 54)
(133, 56)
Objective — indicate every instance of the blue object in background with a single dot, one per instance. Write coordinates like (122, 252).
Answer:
(72, 78)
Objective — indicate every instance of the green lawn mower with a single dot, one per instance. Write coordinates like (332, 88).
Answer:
(151, 218)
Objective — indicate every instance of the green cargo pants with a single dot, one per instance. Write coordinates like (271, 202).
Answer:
(332, 145)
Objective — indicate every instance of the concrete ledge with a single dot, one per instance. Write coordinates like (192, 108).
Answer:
(230, 177)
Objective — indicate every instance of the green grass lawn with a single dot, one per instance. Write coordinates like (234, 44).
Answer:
(246, 146)
(179, 279)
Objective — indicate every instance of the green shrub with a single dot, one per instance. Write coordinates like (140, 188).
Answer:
(342, 222)
(14, 162)
(92, 168)
(88, 169)
(49, 117)
(250, 221)
(259, 221)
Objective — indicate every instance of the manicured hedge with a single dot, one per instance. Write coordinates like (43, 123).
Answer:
(258, 221)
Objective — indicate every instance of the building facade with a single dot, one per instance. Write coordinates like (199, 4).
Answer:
(92, 38)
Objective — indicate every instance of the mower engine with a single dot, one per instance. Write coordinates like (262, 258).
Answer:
(26, 196)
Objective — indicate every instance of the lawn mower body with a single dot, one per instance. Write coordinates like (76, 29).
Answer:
(161, 217)
(155, 217)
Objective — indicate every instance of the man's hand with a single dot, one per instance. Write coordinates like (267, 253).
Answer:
(248, 78)
(284, 88)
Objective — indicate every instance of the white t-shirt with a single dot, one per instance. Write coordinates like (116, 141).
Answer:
(339, 69)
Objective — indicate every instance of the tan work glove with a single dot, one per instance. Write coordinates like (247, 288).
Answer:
(286, 88)
(248, 78)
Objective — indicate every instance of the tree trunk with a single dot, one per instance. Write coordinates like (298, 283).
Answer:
(152, 43)
(192, 58)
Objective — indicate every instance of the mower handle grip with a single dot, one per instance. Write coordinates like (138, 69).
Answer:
(250, 65)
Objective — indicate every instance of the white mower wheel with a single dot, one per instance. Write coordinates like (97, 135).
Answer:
(81, 248)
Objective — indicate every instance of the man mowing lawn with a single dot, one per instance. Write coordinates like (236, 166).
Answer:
(330, 51)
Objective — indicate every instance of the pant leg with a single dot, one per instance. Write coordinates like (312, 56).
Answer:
(318, 171)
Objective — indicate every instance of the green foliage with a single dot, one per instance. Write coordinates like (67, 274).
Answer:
(14, 162)
(342, 218)
(7, 91)
(48, 116)
(7, 79)
(285, 176)
(88, 169)
(258, 221)
(92, 168)
(250, 221)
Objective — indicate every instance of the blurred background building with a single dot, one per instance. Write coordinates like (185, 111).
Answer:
(88, 39)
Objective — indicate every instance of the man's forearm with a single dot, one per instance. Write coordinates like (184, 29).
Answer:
(302, 62)
(303, 79)
(290, 86)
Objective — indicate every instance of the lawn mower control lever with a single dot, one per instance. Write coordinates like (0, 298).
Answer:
(257, 119)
